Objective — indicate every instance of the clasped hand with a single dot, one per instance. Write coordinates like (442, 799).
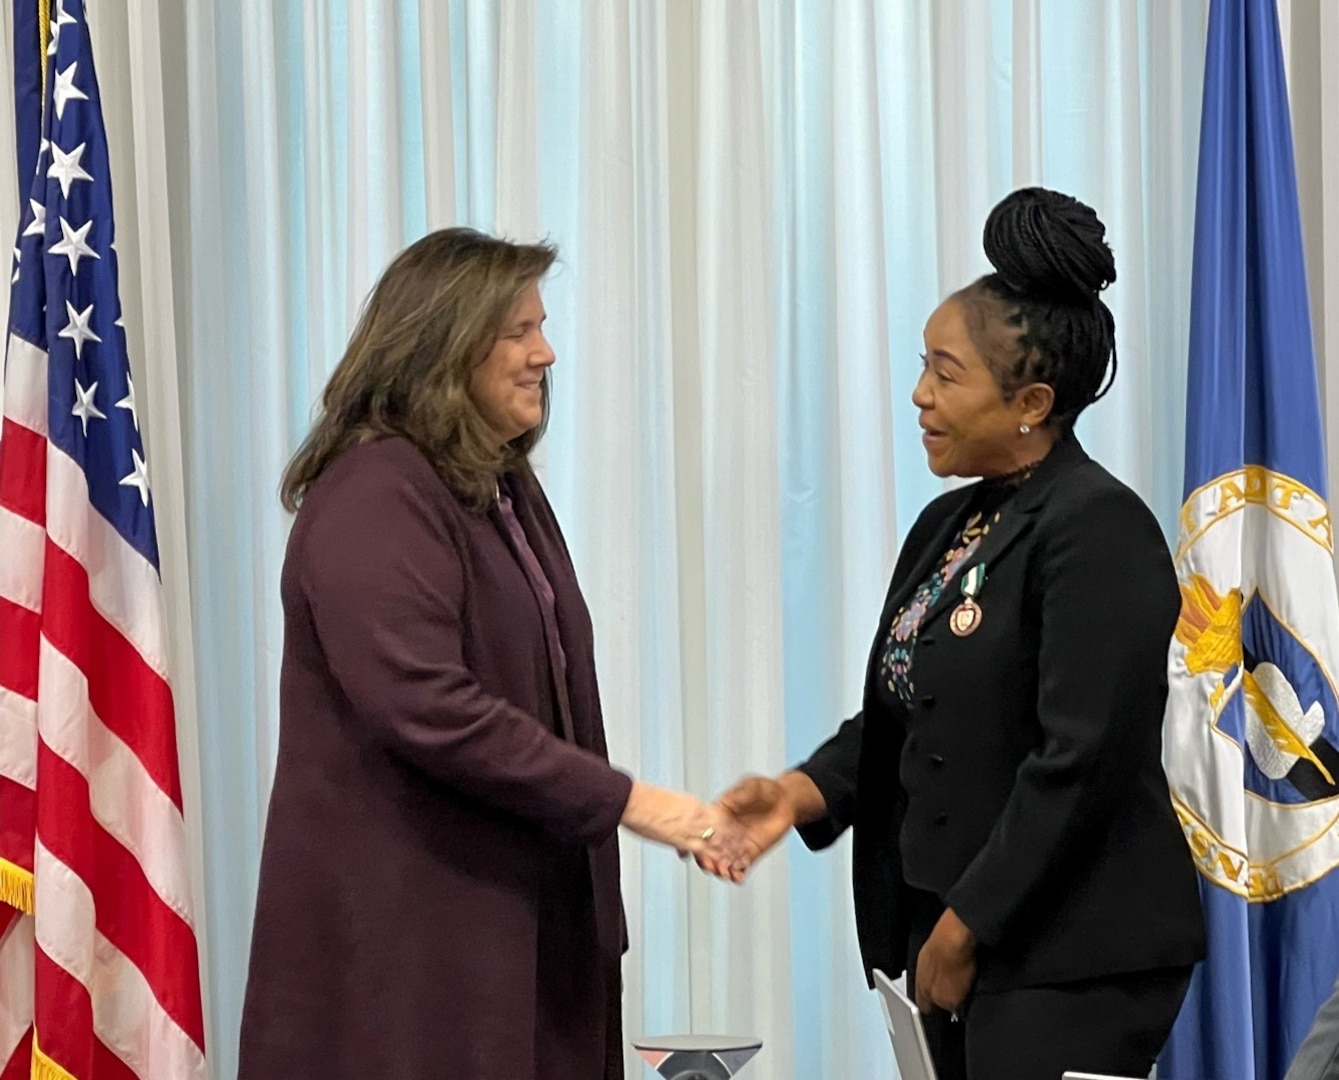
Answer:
(727, 837)
(704, 830)
(763, 810)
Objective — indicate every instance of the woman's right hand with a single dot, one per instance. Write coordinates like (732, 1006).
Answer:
(682, 822)
(766, 809)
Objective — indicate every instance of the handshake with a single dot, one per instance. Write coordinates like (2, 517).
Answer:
(728, 836)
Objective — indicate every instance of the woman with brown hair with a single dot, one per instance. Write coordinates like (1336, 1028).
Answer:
(439, 891)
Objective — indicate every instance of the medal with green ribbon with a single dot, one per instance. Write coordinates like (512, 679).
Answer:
(966, 616)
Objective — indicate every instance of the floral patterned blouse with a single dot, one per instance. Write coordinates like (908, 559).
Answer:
(900, 646)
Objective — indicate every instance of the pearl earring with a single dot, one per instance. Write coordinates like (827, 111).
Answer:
(1023, 429)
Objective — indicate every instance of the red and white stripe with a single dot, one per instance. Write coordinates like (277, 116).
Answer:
(102, 980)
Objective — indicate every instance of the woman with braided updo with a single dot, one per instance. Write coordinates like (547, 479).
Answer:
(1016, 850)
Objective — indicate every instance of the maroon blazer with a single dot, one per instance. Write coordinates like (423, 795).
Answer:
(439, 888)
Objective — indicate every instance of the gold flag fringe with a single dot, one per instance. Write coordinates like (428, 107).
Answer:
(44, 1068)
(16, 886)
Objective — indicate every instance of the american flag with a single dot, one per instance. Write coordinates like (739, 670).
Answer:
(99, 970)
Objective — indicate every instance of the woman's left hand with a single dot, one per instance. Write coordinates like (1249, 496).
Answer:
(946, 966)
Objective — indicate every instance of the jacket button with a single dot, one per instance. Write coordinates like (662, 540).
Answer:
(937, 760)
(925, 641)
(941, 818)
(928, 701)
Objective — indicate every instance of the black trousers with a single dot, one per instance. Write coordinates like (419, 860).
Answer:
(1115, 1025)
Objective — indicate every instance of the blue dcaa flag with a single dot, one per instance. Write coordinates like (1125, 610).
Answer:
(1252, 721)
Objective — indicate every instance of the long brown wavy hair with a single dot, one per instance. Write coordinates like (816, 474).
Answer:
(431, 319)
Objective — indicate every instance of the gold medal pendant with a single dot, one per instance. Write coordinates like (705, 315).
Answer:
(965, 618)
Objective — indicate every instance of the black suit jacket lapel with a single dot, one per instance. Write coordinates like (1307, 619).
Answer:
(924, 560)
(1015, 519)
(912, 568)
(1014, 522)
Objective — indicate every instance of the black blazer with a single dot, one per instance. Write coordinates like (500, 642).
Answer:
(1024, 784)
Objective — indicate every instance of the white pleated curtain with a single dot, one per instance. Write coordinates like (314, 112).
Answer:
(758, 203)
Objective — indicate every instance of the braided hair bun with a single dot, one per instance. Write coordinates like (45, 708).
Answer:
(1049, 246)
(1051, 262)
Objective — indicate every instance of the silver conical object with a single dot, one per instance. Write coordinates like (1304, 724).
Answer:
(697, 1057)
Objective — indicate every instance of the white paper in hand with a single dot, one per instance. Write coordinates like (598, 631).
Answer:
(904, 1026)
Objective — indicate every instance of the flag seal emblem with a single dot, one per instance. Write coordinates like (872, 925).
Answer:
(1252, 684)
